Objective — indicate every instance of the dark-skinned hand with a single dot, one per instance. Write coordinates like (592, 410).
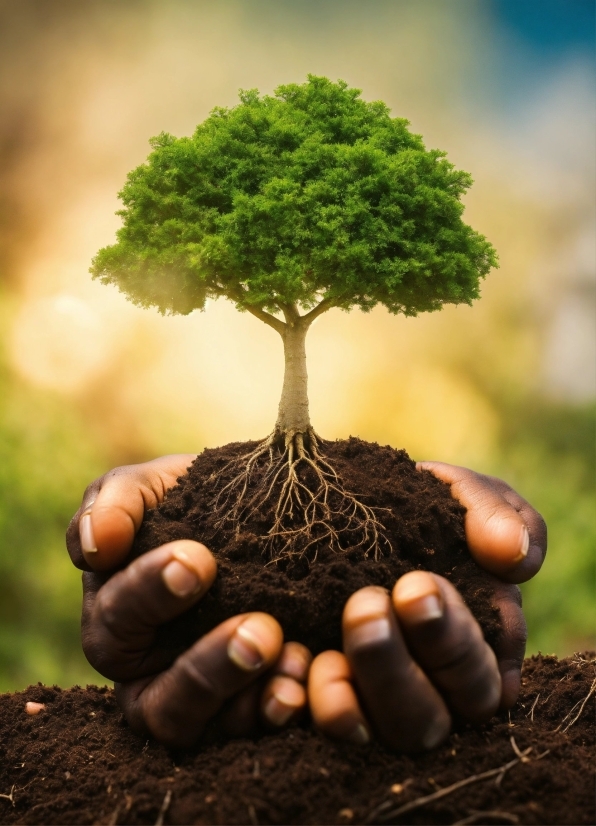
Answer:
(410, 659)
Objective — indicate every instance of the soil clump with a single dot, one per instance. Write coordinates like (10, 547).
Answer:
(423, 527)
(78, 762)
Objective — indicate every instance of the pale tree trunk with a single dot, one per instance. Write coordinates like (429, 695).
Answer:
(293, 417)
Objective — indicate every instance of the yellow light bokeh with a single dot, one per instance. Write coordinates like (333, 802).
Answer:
(88, 381)
(215, 377)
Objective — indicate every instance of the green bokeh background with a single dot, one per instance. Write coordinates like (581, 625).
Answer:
(56, 437)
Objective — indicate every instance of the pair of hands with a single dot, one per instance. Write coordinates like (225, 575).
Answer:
(411, 659)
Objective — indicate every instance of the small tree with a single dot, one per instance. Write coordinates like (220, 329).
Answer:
(289, 205)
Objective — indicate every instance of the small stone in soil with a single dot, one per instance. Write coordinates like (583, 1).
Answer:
(34, 708)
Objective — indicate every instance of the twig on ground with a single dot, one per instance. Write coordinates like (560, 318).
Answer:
(430, 798)
(581, 704)
(114, 817)
(530, 713)
(480, 817)
(129, 800)
(9, 796)
(523, 756)
(579, 660)
(164, 808)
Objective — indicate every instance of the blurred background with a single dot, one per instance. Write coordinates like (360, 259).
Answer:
(87, 381)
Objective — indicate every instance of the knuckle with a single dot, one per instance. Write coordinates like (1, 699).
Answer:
(96, 653)
(165, 721)
(517, 633)
(197, 680)
(459, 650)
(107, 610)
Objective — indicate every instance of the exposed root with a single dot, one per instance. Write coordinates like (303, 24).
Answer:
(311, 507)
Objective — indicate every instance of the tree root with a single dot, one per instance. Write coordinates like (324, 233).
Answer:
(311, 506)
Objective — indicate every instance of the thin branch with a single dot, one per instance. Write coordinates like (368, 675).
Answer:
(581, 708)
(164, 808)
(430, 798)
(9, 796)
(321, 308)
(269, 319)
(523, 756)
(530, 713)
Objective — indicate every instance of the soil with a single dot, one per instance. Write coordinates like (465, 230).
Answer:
(78, 762)
(423, 524)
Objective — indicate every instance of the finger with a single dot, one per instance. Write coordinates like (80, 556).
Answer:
(406, 710)
(276, 702)
(511, 646)
(177, 704)
(504, 533)
(447, 642)
(295, 661)
(333, 702)
(284, 697)
(121, 618)
(532, 563)
(102, 531)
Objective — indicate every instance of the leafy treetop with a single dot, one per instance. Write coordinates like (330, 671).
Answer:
(308, 198)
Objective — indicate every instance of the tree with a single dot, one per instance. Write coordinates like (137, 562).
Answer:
(290, 205)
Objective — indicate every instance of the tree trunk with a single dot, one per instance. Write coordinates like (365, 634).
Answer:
(293, 417)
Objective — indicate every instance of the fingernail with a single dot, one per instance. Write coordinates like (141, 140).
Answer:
(370, 633)
(425, 609)
(277, 711)
(243, 648)
(180, 579)
(525, 545)
(86, 535)
(360, 735)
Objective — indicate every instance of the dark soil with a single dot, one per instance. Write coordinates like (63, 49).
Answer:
(78, 762)
(422, 521)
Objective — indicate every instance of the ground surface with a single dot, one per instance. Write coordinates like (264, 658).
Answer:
(77, 762)
(423, 524)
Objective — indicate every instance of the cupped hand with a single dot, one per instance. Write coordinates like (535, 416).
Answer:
(241, 670)
(505, 535)
(415, 658)
(410, 659)
(100, 534)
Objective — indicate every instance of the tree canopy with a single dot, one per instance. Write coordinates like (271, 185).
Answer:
(309, 195)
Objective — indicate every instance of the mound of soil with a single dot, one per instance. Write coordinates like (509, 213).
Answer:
(78, 762)
(423, 524)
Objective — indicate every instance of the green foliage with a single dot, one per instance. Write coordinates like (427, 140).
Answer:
(548, 456)
(311, 194)
(46, 462)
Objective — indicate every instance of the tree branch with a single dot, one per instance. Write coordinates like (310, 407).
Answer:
(269, 319)
(321, 308)
(290, 312)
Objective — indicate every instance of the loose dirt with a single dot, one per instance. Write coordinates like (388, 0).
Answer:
(78, 762)
(423, 523)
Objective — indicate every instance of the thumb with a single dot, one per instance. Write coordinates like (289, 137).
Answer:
(102, 531)
(496, 533)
